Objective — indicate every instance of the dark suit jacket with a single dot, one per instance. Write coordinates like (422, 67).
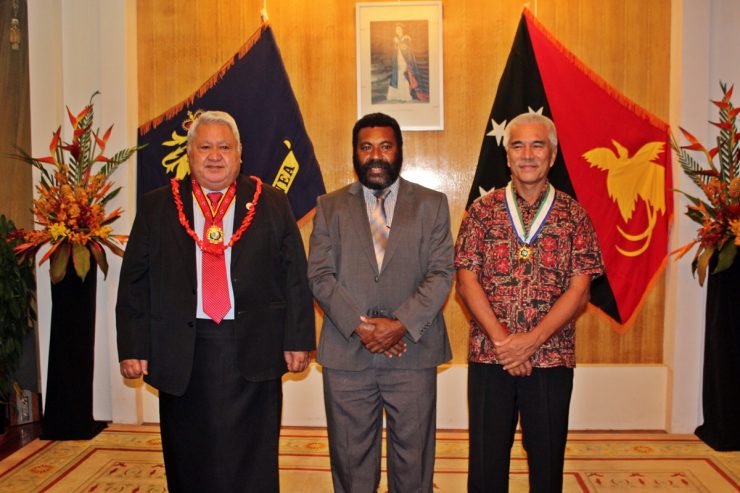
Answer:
(157, 298)
(412, 285)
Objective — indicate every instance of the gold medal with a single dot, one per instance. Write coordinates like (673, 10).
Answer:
(527, 237)
(215, 234)
(525, 253)
(214, 240)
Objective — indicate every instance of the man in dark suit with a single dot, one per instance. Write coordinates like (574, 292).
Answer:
(213, 308)
(381, 266)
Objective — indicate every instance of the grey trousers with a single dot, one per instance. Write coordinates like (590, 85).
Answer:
(355, 401)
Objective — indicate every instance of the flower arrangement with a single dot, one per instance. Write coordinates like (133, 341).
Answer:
(71, 199)
(719, 214)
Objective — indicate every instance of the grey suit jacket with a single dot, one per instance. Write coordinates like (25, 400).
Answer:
(412, 284)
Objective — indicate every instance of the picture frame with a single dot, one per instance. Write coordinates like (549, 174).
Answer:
(399, 62)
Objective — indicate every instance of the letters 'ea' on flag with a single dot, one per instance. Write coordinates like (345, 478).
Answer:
(614, 158)
(253, 87)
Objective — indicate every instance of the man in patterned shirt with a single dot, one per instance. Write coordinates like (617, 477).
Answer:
(525, 258)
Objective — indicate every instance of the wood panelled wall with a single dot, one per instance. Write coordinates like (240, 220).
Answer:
(183, 42)
(15, 120)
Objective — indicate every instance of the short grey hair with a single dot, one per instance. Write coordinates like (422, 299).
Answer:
(213, 117)
(532, 118)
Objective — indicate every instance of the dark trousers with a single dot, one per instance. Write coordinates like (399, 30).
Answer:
(496, 400)
(221, 436)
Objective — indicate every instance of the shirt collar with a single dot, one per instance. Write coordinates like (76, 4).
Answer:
(392, 189)
(523, 203)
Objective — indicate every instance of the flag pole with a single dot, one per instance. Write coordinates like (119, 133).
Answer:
(263, 12)
(526, 6)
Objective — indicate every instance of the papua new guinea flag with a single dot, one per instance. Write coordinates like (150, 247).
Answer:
(253, 87)
(614, 158)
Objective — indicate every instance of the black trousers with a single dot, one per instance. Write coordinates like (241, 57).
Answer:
(496, 400)
(222, 435)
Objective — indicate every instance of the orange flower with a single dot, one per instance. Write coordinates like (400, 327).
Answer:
(735, 188)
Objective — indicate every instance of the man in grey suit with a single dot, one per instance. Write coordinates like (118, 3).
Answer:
(381, 266)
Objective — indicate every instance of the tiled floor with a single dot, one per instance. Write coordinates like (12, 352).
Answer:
(127, 458)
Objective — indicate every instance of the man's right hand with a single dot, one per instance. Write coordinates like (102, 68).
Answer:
(134, 368)
(523, 370)
(396, 350)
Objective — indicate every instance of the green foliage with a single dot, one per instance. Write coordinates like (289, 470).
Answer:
(728, 145)
(17, 289)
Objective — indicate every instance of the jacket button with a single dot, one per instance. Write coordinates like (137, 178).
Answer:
(377, 278)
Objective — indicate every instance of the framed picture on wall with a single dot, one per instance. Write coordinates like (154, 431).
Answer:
(399, 62)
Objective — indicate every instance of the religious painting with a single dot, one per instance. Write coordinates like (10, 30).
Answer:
(399, 62)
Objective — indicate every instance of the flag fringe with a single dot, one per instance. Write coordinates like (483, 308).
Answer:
(208, 84)
(596, 78)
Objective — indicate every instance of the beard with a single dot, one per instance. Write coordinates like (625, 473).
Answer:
(377, 181)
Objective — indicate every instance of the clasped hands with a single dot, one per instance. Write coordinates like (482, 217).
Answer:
(514, 352)
(382, 335)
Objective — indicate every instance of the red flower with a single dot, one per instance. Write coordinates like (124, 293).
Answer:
(74, 149)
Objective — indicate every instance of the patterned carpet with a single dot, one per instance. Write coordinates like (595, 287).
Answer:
(128, 459)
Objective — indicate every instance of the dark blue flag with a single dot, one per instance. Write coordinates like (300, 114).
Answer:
(254, 88)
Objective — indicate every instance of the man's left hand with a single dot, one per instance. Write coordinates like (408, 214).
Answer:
(297, 360)
(516, 349)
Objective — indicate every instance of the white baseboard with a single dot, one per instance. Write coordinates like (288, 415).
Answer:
(625, 397)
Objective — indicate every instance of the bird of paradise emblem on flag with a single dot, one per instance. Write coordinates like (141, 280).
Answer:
(630, 179)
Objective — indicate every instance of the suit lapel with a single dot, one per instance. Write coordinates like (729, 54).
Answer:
(401, 219)
(245, 188)
(358, 214)
(181, 238)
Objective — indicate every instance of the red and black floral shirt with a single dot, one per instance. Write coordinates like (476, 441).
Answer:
(522, 291)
